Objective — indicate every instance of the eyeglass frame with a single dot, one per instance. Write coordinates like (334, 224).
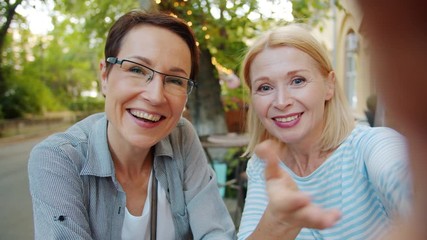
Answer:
(191, 83)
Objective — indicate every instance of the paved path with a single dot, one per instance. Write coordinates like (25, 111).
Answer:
(16, 218)
(16, 214)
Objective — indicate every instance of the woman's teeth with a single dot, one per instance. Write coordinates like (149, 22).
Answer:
(144, 115)
(287, 119)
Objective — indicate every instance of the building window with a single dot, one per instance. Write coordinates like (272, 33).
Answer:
(351, 46)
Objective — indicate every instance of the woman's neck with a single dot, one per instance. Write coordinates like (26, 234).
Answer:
(128, 159)
(303, 162)
(132, 164)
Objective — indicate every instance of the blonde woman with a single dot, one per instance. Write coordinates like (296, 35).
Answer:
(313, 173)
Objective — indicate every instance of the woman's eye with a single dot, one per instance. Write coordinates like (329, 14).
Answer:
(298, 81)
(175, 81)
(137, 70)
(263, 88)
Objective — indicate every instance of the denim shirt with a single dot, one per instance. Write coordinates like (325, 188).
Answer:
(76, 195)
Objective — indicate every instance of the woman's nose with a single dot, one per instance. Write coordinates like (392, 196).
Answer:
(154, 90)
(283, 98)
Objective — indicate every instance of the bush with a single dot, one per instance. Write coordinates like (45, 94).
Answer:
(27, 96)
(87, 105)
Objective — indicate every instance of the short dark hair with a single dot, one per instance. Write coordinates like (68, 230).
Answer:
(137, 17)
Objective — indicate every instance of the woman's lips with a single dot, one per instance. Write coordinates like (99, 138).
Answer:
(287, 121)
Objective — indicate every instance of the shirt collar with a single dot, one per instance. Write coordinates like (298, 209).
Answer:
(99, 161)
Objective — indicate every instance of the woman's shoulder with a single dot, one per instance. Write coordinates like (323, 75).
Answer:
(185, 124)
(77, 133)
(72, 144)
(184, 132)
(365, 136)
(182, 140)
(255, 168)
(363, 132)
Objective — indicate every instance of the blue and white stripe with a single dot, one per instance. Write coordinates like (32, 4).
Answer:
(366, 178)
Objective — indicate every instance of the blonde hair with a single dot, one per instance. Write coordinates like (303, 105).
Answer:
(338, 118)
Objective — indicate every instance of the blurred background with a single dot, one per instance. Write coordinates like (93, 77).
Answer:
(49, 62)
(50, 52)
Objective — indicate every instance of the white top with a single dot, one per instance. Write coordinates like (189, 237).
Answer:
(138, 227)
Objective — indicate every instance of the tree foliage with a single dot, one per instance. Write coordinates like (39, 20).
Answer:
(313, 12)
(40, 73)
(221, 26)
(7, 13)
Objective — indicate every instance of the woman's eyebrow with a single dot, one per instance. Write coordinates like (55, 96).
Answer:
(295, 72)
(148, 62)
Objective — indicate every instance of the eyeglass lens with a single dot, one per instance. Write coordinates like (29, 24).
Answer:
(172, 84)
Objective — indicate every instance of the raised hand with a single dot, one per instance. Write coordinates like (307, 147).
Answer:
(288, 206)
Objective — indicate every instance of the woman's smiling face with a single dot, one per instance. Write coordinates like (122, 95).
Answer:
(143, 115)
(289, 93)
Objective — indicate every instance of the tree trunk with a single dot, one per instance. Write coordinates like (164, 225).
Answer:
(204, 103)
(9, 13)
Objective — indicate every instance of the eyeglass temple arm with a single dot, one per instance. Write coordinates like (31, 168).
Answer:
(114, 60)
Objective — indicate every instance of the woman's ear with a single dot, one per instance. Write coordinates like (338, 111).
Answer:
(330, 86)
(103, 76)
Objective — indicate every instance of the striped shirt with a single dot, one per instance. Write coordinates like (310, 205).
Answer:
(366, 178)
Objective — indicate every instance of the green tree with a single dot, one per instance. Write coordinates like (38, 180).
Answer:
(26, 92)
(65, 62)
(7, 13)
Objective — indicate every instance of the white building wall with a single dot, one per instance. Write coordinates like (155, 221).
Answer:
(333, 36)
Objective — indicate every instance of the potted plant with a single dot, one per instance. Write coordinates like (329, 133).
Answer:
(234, 99)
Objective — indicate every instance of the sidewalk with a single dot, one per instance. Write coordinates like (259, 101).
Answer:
(33, 134)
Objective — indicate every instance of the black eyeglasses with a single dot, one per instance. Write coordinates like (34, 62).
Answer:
(135, 71)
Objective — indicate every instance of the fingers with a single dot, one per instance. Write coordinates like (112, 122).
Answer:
(297, 210)
(285, 199)
(312, 216)
(286, 202)
(273, 170)
(268, 151)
